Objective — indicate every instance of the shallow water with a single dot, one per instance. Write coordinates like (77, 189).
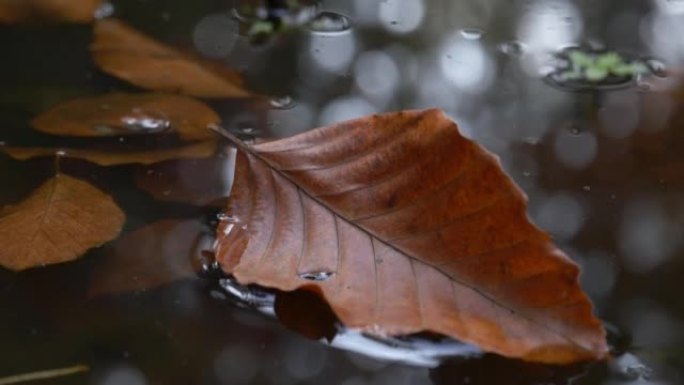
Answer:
(603, 169)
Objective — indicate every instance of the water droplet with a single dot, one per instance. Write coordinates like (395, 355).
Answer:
(574, 129)
(642, 85)
(513, 48)
(283, 102)
(145, 122)
(316, 275)
(471, 33)
(223, 217)
(330, 23)
(207, 266)
(247, 295)
(245, 128)
(104, 10)
(586, 188)
(657, 67)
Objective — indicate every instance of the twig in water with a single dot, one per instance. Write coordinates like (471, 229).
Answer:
(43, 374)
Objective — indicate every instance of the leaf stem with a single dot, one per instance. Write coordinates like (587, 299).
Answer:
(43, 374)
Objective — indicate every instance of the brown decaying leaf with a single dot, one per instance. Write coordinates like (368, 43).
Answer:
(195, 181)
(157, 254)
(59, 222)
(113, 158)
(124, 52)
(70, 11)
(409, 227)
(119, 114)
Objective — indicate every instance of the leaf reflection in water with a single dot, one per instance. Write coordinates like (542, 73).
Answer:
(412, 350)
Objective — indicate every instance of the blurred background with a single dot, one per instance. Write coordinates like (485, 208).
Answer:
(601, 159)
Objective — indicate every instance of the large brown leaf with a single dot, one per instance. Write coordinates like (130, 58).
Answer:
(403, 225)
(129, 114)
(72, 11)
(126, 53)
(59, 222)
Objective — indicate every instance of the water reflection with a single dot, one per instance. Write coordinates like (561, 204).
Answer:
(623, 228)
(401, 16)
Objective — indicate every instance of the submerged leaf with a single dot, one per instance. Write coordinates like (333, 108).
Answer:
(405, 226)
(157, 254)
(119, 114)
(196, 181)
(70, 11)
(113, 158)
(124, 52)
(59, 222)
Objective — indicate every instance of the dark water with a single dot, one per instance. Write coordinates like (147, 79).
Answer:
(603, 168)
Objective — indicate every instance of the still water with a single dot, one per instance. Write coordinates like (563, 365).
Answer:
(598, 150)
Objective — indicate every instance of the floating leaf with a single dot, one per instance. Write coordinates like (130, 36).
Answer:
(405, 226)
(119, 114)
(114, 158)
(70, 11)
(155, 255)
(122, 51)
(59, 222)
(196, 181)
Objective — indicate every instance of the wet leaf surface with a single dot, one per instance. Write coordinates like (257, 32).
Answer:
(157, 254)
(405, 226)
(115, 158)
(70, 11)
(118, 114)
(195, 181)
(126, 53)
(57, 223)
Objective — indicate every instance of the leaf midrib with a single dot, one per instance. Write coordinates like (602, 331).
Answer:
(251, 151)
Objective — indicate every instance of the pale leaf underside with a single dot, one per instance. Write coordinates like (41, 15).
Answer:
(417, 228)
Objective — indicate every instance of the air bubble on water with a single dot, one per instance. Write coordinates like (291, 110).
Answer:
(471, 33)
(104, 10)
(246, 295)
(657, 67)
(330, 23)
(145, 122)
(631, 368)
(316, 275)
(513, 48)
(285, 102)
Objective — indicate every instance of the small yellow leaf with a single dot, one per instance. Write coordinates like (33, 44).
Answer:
(57, 223)
(124, 52)
(129, 114)
(110, 158)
